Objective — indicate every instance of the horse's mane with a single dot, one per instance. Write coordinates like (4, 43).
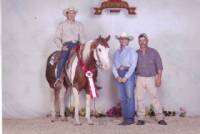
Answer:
(86, 50)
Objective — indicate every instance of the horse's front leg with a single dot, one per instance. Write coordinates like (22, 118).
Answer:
(62, 104)
(53, 107)
(76, 97)
(87, 115)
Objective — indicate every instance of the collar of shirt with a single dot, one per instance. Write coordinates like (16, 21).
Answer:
(146, 51)
(121, 50)
(70, 22)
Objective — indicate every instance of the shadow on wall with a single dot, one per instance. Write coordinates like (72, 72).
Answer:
(45, 88)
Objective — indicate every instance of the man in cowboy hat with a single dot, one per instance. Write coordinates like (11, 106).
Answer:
(125, 60)
(68, 33)
(149, 70)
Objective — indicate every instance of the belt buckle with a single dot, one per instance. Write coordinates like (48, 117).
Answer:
(74, 41)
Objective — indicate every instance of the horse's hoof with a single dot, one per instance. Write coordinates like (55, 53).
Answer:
(53, 119)
(90, 123)
(63, 118)
(77, 124)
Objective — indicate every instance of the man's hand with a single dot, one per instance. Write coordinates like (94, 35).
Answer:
(158, 78)
(119, 79)
(157, 81)
(65, 48)
(124, 80)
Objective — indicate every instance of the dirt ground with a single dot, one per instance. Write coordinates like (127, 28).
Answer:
(176, 125)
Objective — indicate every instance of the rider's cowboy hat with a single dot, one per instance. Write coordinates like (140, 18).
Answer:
(70, 9)
(124, 35)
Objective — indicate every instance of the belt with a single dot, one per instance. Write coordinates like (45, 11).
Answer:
(123, 68)
(73, 41)
(70, 44)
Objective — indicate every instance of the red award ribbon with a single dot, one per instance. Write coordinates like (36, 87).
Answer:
(88, 74)
(92, 88)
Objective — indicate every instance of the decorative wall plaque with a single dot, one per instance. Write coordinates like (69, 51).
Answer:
(115, 6)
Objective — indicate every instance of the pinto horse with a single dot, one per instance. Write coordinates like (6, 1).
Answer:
(94, 56)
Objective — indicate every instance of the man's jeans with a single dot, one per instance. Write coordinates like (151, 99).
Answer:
(64, 57)
(126, 96)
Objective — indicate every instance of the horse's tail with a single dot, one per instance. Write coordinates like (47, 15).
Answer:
(50, 70)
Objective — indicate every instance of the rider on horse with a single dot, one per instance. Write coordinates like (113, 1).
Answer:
(68, 34)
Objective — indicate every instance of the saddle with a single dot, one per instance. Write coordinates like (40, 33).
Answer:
(55, 57)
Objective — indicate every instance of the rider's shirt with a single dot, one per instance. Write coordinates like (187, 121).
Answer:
(68, 31)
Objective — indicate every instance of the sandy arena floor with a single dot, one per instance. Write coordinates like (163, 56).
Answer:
(176, 125)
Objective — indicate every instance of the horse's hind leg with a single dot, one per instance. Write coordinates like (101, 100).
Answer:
(87, 115)
(53, 109)
(76, 97)
(62, 104)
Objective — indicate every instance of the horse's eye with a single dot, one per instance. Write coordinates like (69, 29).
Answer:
(99, 50)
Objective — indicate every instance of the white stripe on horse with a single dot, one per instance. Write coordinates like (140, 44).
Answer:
(86, 50)
(72, 70)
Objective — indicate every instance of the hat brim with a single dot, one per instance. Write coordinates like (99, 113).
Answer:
(130, 38)
(67, 10)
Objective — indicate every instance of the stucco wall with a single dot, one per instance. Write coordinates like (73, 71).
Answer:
(28, 30)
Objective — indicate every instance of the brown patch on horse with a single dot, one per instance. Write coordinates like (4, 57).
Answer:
(50, 69)
(52, 62)
(80, 80)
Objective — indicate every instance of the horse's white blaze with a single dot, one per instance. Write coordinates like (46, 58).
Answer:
(102, 53)
(76, 98)
(106, 59)
(72, 70)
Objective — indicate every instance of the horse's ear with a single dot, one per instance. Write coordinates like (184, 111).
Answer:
(99, 38)
(107, 38)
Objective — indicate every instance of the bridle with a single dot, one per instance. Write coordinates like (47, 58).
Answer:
(98, 62)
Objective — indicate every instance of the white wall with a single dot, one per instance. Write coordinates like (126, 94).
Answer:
(28, 31)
